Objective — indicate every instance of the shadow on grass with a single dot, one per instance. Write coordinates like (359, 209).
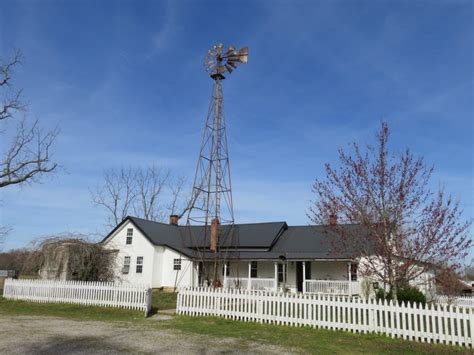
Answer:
(75, 345)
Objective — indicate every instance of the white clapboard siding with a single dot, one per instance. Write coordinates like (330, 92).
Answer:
(435, 323)
(106, 294)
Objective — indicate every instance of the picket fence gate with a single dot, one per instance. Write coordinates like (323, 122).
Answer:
(436, 323)
(105, 294)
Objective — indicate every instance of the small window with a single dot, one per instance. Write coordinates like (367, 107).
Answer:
(177, 264)
(353, 272)
(139, 264)
(226, 269)
(253, 269)
(126, 265)
(281, 273)
(129, 235)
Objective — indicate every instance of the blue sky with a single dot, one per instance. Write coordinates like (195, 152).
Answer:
(124, 81)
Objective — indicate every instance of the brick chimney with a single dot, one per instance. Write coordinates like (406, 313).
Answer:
(214, 234)
(174, 219)
(333, 220)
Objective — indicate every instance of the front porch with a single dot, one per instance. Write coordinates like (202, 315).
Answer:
(316, 276)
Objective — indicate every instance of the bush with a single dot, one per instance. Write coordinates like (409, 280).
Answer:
(411, 295)
(380, 294)
(406, 294)
(71, 256)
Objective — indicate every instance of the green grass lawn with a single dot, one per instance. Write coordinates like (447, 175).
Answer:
(163, 300)
(68, 311)
(307, 339)
(301, 338)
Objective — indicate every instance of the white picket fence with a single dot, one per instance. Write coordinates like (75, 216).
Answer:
(436, 323)
(105, 294)
(466, 301)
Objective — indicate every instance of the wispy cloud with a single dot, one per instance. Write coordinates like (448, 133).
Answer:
(167, 29)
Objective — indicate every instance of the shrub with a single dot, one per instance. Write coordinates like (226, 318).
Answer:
(73, 257)
(405, 294)
(380, 294)
(409, 294)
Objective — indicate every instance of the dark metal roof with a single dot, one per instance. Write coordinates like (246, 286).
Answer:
(271, 240)
(318, 242)
(250, 235)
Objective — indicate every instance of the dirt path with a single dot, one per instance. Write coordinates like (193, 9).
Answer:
(45, 335)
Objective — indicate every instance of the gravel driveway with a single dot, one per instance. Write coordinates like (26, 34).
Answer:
(46, 335)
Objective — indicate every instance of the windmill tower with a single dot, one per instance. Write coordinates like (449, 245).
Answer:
(211, 203)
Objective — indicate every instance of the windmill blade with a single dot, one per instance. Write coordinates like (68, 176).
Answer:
(229, 68)
(221, 68)
(232, 64)
(230, 51)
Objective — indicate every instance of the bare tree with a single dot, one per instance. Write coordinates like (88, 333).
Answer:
(4, 230)
(11, 101)
(28, 156)
(117, 194)
(410, 229)
(150, 184)
(148, 193)
(178, 199)
(449, 283)
(14, 259)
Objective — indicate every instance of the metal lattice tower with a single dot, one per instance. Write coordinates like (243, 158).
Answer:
(211, 204)
(212, 189)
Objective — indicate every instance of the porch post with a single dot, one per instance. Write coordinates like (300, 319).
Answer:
(276, 276)
(225, 275)
(304, 276)
(249, 287)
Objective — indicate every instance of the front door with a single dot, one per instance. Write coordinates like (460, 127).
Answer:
(299, 276)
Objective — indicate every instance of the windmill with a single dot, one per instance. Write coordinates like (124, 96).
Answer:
(211, 203)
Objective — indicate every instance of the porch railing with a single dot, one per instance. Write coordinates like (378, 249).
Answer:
(255, 284)
(332, 287)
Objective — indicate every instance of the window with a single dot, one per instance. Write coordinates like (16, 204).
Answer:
(226, 269)
(177, 264)
(307, 269)
(139, 264)
(281, 273)
(129, 235)
(253, 269)
(353, 272)
(126, 265)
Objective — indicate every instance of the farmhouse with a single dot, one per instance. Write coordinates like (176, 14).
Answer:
(269, 256)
